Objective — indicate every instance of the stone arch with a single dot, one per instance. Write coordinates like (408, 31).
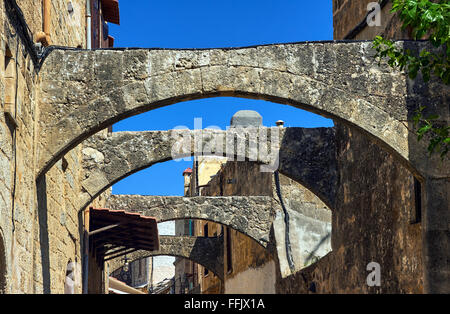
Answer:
(305, 155)
(86, 91)
(207, 252)
(250, 215)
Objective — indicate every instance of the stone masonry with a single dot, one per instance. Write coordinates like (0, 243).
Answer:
(86, 91)
(50, 170)
(39, 222)
(252, 216)
(304, 155)
(206, 251)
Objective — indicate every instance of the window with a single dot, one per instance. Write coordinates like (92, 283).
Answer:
(229, 253)
(205, 230)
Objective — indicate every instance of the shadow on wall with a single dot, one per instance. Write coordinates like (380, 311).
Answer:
(313, 256)
(431, 191)
(41, 188)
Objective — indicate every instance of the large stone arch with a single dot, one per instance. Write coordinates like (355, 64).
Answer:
(86, 91)
(250, 215)
(205, 251)
(83, 92)
(304, 155)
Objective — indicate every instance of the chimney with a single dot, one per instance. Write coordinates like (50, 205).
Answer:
(280, 123)
(187, 180)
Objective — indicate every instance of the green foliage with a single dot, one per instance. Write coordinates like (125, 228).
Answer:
(430, 20)
(439, 135)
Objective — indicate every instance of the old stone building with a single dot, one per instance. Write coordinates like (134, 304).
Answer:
(249, 267)
(39, 220)
(61, 230)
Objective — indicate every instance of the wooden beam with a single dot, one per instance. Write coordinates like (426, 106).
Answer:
(91, 233)
(120, 254)
(121, 249)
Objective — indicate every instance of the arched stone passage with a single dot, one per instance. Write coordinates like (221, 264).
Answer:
(86, 91)
(207, 252)
(305, 155)
(250, 215)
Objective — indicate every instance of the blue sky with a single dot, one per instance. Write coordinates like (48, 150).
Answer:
(212, 24)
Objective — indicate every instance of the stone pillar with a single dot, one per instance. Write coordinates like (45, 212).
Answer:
(436, 235)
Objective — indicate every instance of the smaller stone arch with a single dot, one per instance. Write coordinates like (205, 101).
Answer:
(205, 251)
(304, 155)
(250, 215)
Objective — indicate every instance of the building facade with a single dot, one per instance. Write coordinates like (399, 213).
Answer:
(40, 239)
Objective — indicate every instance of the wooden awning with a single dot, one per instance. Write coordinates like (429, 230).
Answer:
(110, 10)
(113, 233)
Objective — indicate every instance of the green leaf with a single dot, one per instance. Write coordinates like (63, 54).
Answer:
(429, 20)
(433, 117)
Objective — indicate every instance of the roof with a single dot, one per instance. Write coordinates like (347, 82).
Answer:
(163, 287)
(110, 9)
(116, 232)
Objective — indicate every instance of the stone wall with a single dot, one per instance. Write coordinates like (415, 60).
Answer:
(310, 225)
(246, 282)
(376, 218)
(39, 221)
(66, 28)
(373, 222)
(347, 14)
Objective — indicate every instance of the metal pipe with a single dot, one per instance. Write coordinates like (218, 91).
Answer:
(88, 25)
(85, 221)
(44, 36)
(287, 239)
(47, 17)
